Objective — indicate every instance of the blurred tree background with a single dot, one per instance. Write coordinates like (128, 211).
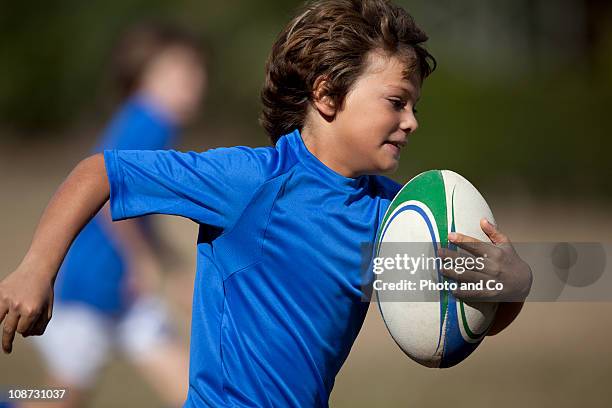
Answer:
(520, 100)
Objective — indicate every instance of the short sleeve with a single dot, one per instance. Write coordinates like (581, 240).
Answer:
(210, 188)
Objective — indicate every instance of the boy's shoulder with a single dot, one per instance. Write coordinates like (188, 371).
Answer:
(263, 162)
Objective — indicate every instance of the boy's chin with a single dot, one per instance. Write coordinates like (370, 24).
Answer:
(388, 167)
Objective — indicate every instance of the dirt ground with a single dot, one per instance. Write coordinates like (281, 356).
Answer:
(553, 355)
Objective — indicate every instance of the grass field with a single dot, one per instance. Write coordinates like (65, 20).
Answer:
(554, 355)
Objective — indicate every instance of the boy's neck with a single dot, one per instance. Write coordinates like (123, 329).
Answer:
(322, 146)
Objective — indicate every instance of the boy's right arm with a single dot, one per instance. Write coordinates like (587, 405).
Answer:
(26, 295)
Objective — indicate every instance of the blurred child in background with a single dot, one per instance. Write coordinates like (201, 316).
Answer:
(108, 289)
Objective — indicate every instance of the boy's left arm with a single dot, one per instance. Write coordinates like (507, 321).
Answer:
(501, 264)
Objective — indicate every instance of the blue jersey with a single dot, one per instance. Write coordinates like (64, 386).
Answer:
(278, 298)
(93, 272)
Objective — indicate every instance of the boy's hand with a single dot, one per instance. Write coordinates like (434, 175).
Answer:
(501, 264)
(26, 304)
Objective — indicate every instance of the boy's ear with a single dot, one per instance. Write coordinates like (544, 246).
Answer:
(323, 102)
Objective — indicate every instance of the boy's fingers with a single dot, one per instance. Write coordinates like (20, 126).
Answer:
(481, 295)
(466, 276)
(492, 232)
(474, 246)
(445, 253)
(3, 310)
(26, 322)
(470, 244)
(39, 326)
(8, 331)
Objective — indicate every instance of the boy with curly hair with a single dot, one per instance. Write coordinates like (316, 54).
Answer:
(278, 291)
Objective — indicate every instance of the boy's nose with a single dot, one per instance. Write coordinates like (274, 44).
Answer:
(409, 123)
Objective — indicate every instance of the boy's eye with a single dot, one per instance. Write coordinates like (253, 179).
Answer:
(398, 104)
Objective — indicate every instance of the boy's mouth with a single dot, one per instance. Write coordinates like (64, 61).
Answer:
(394, 146)
(399, 144)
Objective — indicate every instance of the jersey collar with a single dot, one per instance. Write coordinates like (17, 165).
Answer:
(313, 163)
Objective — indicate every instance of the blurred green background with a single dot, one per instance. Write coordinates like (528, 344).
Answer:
(520, 99)
(519, 105)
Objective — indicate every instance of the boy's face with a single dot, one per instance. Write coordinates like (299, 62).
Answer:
(377, 117)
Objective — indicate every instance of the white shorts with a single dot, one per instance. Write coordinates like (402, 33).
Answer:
(79, 339)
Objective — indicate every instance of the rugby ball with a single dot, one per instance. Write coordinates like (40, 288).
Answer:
(429, 324)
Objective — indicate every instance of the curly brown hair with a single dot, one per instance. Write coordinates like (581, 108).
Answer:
(332, 38)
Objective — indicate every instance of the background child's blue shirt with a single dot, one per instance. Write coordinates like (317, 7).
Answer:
(278, 291)
(93, 272)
